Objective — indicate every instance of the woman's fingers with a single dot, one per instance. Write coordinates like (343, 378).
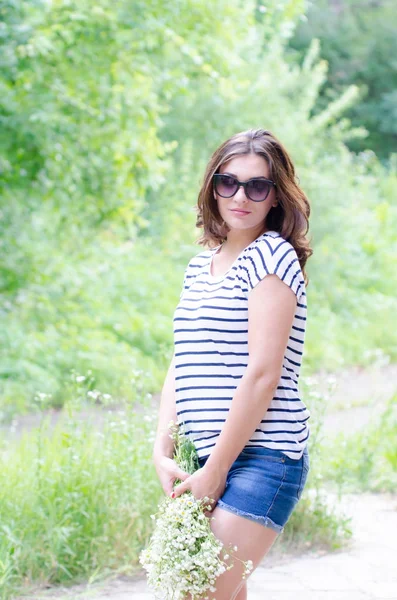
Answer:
(208, 511)
(168, 471)
(179, 474)
(181, 488)
(169, 466)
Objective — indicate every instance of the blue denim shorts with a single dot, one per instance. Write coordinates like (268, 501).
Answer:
(264, 485)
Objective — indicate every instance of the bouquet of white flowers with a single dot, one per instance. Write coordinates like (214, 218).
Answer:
(183, 556)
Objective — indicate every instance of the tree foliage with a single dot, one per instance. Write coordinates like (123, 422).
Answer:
(108, 114)
(359, 42)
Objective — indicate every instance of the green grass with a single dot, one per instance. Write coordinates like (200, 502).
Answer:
(315, 524)
(367, 460)
(75, 501)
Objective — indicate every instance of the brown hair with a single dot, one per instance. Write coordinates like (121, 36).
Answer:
(291, 215)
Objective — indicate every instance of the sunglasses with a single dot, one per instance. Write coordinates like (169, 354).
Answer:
(256, 189)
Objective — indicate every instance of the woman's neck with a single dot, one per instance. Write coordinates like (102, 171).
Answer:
(236, 241)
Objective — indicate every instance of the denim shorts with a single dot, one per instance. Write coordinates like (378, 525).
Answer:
(264, 485)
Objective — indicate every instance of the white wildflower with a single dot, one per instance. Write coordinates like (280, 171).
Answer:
(183, 556)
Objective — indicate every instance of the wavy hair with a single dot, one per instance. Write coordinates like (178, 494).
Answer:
(291, 215)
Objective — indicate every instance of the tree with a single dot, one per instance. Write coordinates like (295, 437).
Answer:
(359, 43)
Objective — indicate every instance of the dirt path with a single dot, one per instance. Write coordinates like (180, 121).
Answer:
(358, 397)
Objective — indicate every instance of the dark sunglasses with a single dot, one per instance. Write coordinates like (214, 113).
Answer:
(256, 189)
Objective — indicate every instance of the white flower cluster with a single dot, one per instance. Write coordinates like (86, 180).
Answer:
(184, 556)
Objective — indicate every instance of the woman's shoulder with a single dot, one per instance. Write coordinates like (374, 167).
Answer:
(270, 254)
(269, 246)
(273, 240)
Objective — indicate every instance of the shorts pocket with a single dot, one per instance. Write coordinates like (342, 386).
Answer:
(262, 453)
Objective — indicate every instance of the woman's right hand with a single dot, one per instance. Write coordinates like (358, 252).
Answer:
(168, 471)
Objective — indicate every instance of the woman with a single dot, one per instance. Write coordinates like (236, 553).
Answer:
(239, 332)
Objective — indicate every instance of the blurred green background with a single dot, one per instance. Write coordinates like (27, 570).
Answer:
(109, 112)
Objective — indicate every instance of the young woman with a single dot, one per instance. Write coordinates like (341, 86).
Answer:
(239, 333)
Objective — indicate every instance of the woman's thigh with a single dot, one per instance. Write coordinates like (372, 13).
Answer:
(253, 541)
(262, 489)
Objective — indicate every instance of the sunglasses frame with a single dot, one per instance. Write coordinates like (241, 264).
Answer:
(241, 183)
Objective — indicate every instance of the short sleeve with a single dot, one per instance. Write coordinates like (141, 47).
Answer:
(273, 256)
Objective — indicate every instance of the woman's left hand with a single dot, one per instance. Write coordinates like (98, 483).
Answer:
(203, 482)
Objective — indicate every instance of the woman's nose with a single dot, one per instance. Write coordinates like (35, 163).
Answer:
(240, 195)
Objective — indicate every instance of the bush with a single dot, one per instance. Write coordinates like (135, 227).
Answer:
(365, 461)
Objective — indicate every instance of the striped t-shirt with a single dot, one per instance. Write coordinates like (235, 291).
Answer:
(211, 347)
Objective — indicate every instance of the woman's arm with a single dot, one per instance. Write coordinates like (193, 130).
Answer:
(164, 445)
(271, 309)
(163, 450)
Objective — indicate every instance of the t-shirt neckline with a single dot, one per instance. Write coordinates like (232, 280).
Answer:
(215, 278)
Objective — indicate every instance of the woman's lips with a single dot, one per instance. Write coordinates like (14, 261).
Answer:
(240, 213)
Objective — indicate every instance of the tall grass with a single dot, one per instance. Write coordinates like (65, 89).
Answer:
(367, 460)
(317, 522)
(75, 501)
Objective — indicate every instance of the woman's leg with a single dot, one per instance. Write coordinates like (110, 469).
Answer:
(253, 542)
(242, 594)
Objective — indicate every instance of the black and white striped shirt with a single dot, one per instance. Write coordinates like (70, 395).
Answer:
(211, 347)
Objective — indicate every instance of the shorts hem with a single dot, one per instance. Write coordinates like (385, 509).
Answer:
(257, 518)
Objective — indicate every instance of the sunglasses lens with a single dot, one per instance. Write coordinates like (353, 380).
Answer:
(258, 190)
(225, 185)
